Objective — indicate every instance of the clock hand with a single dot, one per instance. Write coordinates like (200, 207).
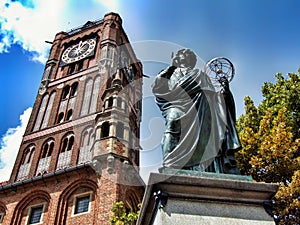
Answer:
(80, 45)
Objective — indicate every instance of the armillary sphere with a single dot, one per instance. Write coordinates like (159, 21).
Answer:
(219, 68)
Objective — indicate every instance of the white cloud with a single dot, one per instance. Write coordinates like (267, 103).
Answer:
(30, 27)
(10, 144)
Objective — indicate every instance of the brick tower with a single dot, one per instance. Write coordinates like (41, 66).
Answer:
(80, 150)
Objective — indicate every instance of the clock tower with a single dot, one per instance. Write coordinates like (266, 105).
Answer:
(80, 150)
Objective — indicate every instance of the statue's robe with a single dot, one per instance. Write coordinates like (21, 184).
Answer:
(204, 127)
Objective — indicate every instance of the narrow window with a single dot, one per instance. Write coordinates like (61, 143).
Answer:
(85, 139)
(64, 145)
(48, 110)
(94, 97)
(72, 68)
(70, 114)
(45, 150)
(41, 113)
(50, 149)
(60, 118)
(25, 156)
(35, 214)
(74, 89)
(80, 66)
(71, 143)
(119, 102)
(66, 92)
(120, 130)
(31, 155)
(105, 130)
(87, 96)
(82, 204)
(110, 102)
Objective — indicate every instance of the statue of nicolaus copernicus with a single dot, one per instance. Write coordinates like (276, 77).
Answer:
(200, 121)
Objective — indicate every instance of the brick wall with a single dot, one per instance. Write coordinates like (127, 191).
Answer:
(58, 192)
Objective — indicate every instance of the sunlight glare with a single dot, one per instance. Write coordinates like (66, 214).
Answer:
(112, 5)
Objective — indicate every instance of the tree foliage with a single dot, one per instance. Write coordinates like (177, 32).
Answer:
(275, 159)
(121, 216)
(288, 201)
(270, 137)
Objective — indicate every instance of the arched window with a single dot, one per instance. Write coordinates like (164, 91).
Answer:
(85, 139)
(48, 110)
(66, 92)
(71, 143)
(26, 162)
(94, 100)
(91, 91)
(48, 148)
(66, 148)
(85, 146)
(105, 130)
(67, 103)
(74, 89)
(110, 102)
(25, 156)
(60, 118)
(33, 207)
(41, 112)
(87, 96)
(64, 145)
(45, 150)
(70, 115)
(45, 157)
(31, 155)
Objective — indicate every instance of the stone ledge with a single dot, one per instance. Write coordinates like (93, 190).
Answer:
(204, 174)
(190, 192)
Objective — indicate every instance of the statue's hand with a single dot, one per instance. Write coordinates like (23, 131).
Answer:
(225, 84)
(176, 61)
(167, 73)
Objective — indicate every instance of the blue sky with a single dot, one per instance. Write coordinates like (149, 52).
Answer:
(261, 38)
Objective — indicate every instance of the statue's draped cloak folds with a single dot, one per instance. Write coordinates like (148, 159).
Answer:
(207, 124)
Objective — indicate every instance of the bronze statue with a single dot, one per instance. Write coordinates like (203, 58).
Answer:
(200, 120)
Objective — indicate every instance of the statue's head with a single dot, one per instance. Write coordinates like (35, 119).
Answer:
(185, 58)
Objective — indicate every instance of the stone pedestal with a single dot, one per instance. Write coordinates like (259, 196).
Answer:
(192, 199)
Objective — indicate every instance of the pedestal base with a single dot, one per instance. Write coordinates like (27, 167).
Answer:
(180, 199)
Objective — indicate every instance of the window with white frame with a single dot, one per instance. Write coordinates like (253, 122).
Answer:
(82, 203)
(35, 214)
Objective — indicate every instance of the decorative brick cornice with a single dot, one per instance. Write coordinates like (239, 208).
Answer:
(59, 128)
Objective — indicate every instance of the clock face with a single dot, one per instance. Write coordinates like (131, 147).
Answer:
(78, 51)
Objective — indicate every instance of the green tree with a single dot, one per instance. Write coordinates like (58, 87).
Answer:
(274, 160)
(284, 93)
(121, 216)
(247, 126)
(288, 201)
(270, 137)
